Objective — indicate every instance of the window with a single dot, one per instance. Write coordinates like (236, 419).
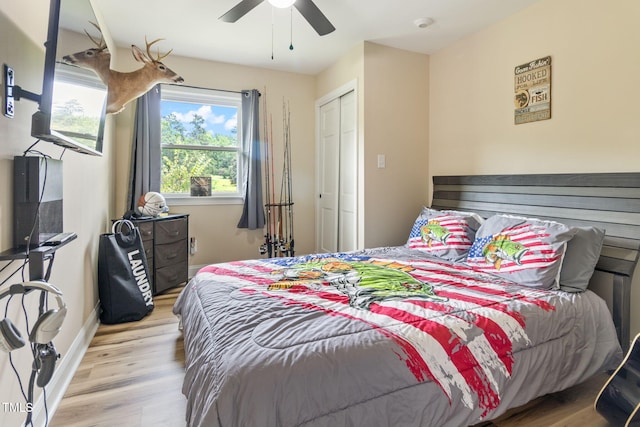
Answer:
(200, 145)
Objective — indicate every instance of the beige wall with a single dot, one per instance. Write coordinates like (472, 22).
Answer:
(393, 120)
(594, 125)
(396, 105)
(86, 205)
(349, 67)
(27, 63)
(215, 226)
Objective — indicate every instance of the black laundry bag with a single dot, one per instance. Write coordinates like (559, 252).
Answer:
(123, 275)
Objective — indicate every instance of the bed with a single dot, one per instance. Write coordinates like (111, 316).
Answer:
(450, 329)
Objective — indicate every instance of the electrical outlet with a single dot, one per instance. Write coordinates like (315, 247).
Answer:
(193, 246)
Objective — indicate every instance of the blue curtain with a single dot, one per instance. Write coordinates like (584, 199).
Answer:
(145, 156)
(253, 210)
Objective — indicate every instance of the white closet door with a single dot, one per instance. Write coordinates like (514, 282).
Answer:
(329, 167)
(348, 182)
(338, 175)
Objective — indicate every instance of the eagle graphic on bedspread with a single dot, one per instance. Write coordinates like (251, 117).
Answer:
(364, 282)
(454, 328)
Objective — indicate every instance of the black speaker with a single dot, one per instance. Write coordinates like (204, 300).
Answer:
(37, 200)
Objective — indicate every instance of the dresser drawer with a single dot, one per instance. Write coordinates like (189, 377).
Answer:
(146, 231)
(151, 267)
(166, 247)
(148, 248)
(171, 253)
(170, 276)
(170, 231)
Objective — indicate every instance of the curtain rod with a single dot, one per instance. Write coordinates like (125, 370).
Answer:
(208, 88)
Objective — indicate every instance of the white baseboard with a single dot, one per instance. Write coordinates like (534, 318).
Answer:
(193, 269)
(65, 370)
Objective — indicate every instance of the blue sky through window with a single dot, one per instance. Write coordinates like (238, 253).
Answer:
(221, 120)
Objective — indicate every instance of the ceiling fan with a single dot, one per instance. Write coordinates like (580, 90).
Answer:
(307, 9)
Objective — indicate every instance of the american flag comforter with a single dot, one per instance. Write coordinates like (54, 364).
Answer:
(381, 337)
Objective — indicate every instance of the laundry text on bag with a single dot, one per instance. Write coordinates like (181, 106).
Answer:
(140, 274)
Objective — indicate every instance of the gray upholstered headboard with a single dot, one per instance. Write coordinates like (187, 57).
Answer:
(610, 201)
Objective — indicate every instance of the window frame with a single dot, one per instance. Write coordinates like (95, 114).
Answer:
(205, 96)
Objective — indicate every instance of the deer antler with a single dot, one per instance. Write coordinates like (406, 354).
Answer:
(159, 57)
(102, 45)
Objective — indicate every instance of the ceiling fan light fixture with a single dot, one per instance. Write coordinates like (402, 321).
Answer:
(282, 4)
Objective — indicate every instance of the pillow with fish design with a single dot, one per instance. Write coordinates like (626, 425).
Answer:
(524, 250)
(445, 234)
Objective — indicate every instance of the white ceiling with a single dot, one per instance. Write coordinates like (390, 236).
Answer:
(192, 29)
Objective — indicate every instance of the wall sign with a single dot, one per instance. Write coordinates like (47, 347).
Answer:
(533, 91)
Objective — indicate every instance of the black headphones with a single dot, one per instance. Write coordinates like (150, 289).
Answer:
(46, 327)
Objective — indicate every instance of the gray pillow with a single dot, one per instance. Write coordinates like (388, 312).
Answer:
(525, 250)
(445, 234)
(583, 251)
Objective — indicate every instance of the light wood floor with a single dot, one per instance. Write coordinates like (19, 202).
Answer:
(131, 376)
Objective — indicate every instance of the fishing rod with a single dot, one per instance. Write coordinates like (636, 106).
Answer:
(274, 236)
(288, 245)
(279, 239)
(290, 182)
(267, 246)
(286, 220)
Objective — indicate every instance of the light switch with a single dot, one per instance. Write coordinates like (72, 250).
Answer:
(381, 161)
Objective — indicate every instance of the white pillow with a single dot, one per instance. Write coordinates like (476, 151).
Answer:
(525, 250)
(446, 234)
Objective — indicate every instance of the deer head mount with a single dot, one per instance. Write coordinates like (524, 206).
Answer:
(123, 87)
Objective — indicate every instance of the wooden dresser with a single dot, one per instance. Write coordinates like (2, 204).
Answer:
(166, 244)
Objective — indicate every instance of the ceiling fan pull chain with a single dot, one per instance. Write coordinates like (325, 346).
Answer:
(272, 30)
(291, 43)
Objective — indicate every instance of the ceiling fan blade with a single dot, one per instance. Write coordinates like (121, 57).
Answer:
(239, 10)
(314, 16)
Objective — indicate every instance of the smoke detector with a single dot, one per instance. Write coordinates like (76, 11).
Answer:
(423, 22)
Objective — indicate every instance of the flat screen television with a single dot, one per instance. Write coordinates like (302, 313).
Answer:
(72, 106)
